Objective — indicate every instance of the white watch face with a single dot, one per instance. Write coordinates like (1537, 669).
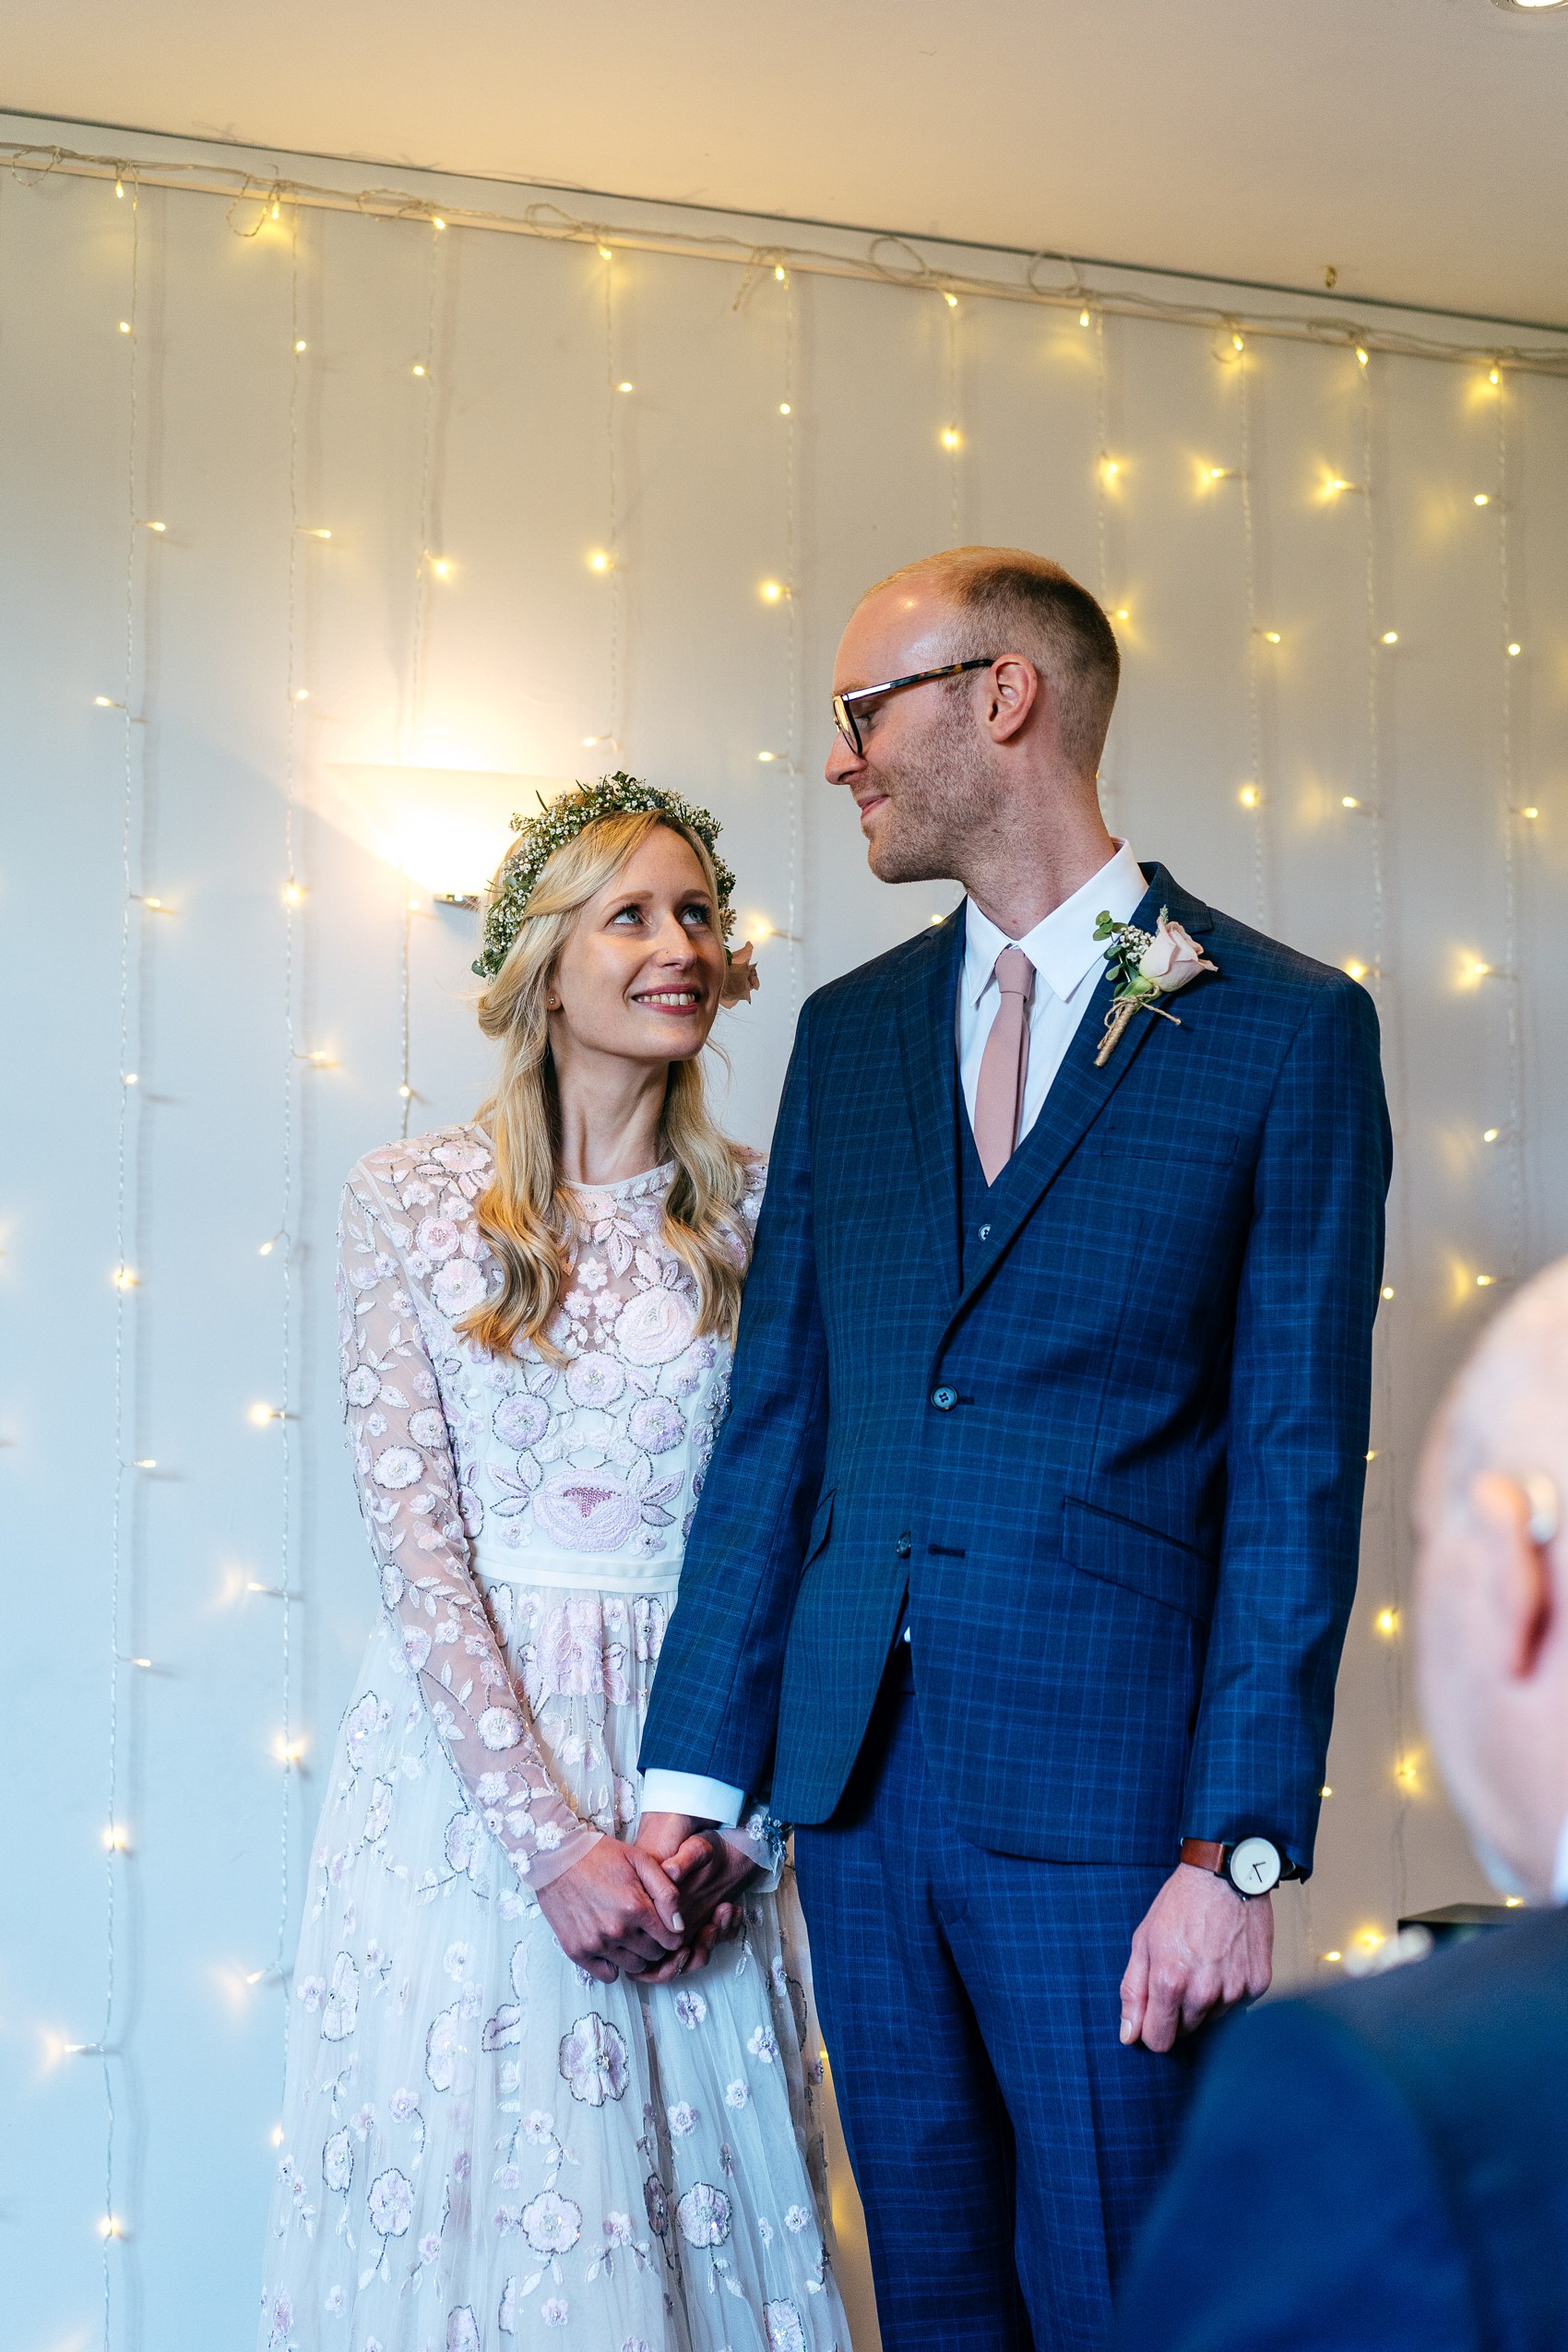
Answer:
(1255, 1866)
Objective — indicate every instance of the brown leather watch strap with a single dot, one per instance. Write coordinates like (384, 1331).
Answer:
(1204, 1854)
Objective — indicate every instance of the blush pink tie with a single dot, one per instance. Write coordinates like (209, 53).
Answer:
(999, 1097)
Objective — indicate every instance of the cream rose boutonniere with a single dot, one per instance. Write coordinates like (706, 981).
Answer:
(1146, 965)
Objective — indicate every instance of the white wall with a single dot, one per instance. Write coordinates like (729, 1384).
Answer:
(498, 462)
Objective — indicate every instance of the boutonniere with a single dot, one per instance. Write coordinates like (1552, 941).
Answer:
(1146, 965)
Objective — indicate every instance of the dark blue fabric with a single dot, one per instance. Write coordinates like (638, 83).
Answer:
(1384, 2169)
(1001, 2136)
(1131, 1540)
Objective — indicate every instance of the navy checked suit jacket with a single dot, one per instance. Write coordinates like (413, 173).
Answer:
(1129, 1541)
(1380, 2169)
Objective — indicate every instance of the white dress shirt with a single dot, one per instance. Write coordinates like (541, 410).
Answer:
(1068, 960)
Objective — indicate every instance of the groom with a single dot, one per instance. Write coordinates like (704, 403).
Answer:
(1023, 1565)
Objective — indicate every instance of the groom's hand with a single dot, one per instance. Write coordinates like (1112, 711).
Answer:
(708, 1874)
(1198, 1947)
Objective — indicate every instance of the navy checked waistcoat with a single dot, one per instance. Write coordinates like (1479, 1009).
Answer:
(1113, 1453)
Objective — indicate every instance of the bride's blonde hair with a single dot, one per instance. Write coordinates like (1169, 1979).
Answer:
(526, 1213)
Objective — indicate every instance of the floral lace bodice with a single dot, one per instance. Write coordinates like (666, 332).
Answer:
(463, 1457)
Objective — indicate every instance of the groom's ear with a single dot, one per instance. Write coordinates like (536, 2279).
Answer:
(1014, 688)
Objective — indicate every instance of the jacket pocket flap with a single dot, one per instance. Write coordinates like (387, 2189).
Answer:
(1122, 1552)
(820, 1526)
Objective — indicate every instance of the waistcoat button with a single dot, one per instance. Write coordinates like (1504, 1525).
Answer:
(903, 1547)
(944, 1399)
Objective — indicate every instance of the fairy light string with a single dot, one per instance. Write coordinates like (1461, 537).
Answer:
(1258, 802)
(1512, 1137)
(612, 500)
(124, 1506)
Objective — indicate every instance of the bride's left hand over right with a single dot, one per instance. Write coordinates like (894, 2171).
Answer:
(708, 1873)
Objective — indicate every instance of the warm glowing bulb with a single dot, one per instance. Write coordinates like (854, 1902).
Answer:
(950, 436)
(301, 693)
(1390, 637)
(1338, 484)
(1515, 648)
(1083, 318)
(441, 566)
(1356, 968)
(112, 2226)
(1325, 1791)
(1513, 1902)
(419, 368)
(1531, 811)
(260, 1416)
(938, 919)
(158, 527)
(293, 894)
(1361, 356)
(767, 758)
(1249, 796)
(104, 702)
(598, 560)
(119, 187)
(1489, 1134)
(605, 254)
(771, 591)
(1477, 969)
(125, 1278)
(780, 272)
(1485, 1281)
(267, 1248)
(276, 2135)
(124, 327)
(436, 221)
(951, 301)
(146, 1463)
(1372, 1453)
(287, 1752)
(1334, 1955)
(317, 532)
(1111, 467)
(627, 387)
(407, 1093)
(1236, 344)
(116, 1837)
(1495, 376)
(131, 1079)
(1404, 1772)
(784, 408)
(1387, 1291)
(1387, 1621)
(300, 344)
(275, 210)
(1483, 499)
(1370, 1938)
(1121, 613)
(1271, 636)
(1349, 801)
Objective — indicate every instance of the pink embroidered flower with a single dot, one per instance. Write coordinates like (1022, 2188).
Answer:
(363, 1386)
(463, 1159)
(520, 1422)
(594, 1381)
(655, 1327)
(656, 1425)
(552, 2223)
(427, 1428)
(337, 2161)
(1172, 958)
(438, 1238)
(498, 1727)
(457, 1287)
(396, 1468)
(586, 1510)
(785, 2333)
(391, 2204)
(593, 2061)
(703, 2215)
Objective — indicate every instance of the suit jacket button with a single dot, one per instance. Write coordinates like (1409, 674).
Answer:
(903, 1547)
(944, 1399)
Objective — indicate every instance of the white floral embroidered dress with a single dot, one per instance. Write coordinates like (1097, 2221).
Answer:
(485, 2149)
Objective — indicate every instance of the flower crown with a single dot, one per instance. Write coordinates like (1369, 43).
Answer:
(560, 822)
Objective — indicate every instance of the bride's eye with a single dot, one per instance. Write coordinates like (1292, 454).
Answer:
(630, 912)
(697, 915)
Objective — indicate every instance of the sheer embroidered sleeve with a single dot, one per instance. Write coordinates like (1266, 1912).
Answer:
(406, 1476)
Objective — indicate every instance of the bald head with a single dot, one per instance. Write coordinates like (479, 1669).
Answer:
(1493, 1586)
(1005, 600)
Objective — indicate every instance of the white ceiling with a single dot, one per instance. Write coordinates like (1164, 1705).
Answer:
(1417, 146)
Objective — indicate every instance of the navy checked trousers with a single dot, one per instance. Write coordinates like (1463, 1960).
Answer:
(1005, 2144)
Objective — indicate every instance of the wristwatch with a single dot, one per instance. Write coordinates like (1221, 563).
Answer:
(1253, 1866)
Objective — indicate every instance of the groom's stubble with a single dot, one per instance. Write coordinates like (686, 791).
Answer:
(942, 795)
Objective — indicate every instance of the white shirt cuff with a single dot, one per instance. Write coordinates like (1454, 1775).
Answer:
(689, 1792)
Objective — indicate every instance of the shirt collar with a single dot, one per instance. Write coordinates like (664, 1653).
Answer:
(1063, 948)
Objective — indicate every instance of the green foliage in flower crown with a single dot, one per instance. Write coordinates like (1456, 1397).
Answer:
(560, 822)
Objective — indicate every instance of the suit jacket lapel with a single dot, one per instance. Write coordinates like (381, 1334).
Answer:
(1079, 1092)
(927, 991)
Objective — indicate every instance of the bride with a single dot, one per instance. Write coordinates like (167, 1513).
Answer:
(529, 2102)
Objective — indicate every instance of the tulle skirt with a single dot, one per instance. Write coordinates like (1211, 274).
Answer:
(486, 2150)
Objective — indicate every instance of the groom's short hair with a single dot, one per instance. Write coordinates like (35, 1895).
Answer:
(1009, 600)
